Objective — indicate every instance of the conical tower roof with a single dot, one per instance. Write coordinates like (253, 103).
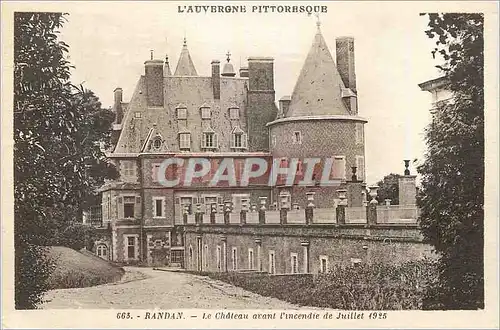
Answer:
(185, 66)
(318, 91)
(166, 68)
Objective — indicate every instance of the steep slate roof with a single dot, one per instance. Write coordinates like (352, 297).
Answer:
(185, 66)
(319, 87)
(193, 92)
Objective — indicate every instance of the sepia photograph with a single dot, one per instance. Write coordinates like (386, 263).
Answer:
(235, 164)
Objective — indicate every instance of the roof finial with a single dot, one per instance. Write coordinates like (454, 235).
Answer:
(228, 54)
(151, 54)
(185, 41)
(318, 22)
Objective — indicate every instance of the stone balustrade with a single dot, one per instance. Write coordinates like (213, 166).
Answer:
(368, 212)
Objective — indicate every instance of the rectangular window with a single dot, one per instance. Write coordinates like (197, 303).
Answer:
(234, 258)
(219, 258)
(237, 201)
(205, 255)
(272, 263)
(181, 113)
(154, 172)
(250, 259)
(274, 140)
(187, 204)
(185, 141)
(130, 247)
(128, 168)
(360, 164)
(294, 260)
(359, 133)
(158, 207)
(209, 140)
(239, 141)
(209, 201)
(138, 115)
(338, 167)
(323, 264)
(191, 259)
(300, 168)
(205, 113)
(128, 206)
(297, 137)
(234, 113)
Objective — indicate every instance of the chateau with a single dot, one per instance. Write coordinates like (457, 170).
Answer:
(279, 228)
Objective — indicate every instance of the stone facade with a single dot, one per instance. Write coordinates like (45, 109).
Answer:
(187, 116)
(345, 245)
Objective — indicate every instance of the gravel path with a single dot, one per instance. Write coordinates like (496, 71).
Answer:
(145, 288)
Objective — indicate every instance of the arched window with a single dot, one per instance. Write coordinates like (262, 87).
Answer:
(102, 251)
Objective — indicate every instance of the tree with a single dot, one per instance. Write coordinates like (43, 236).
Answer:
(389, 188)
(451, 198)
(58, 129)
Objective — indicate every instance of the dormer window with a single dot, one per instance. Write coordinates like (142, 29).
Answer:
(234, 112)
(157, 142)
(238, 139)
(209, 140)
(185, 141)
(205, 111)
(181, 110)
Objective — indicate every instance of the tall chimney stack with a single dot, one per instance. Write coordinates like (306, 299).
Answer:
(117, 106)
(154, 82)
(216, 79)
(345, 61)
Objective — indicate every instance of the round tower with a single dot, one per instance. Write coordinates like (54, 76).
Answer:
(321, 121)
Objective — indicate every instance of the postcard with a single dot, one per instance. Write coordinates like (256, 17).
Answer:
(249, 164)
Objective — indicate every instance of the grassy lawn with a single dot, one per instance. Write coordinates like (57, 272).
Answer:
(74, 269)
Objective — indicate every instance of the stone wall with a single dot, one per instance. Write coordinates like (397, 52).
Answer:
(309, 244)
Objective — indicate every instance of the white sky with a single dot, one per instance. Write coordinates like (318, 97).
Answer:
(109, 44)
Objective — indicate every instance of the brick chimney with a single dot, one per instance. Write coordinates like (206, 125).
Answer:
(216, 79)
(117, 106)
(346, 68)
(154, 82)
(345, 61)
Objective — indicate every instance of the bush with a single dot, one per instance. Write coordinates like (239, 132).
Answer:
(32, 270)
(376, 286)
(361, 287)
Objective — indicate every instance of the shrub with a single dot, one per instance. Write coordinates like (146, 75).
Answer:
(32, 270)
(361, 287)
